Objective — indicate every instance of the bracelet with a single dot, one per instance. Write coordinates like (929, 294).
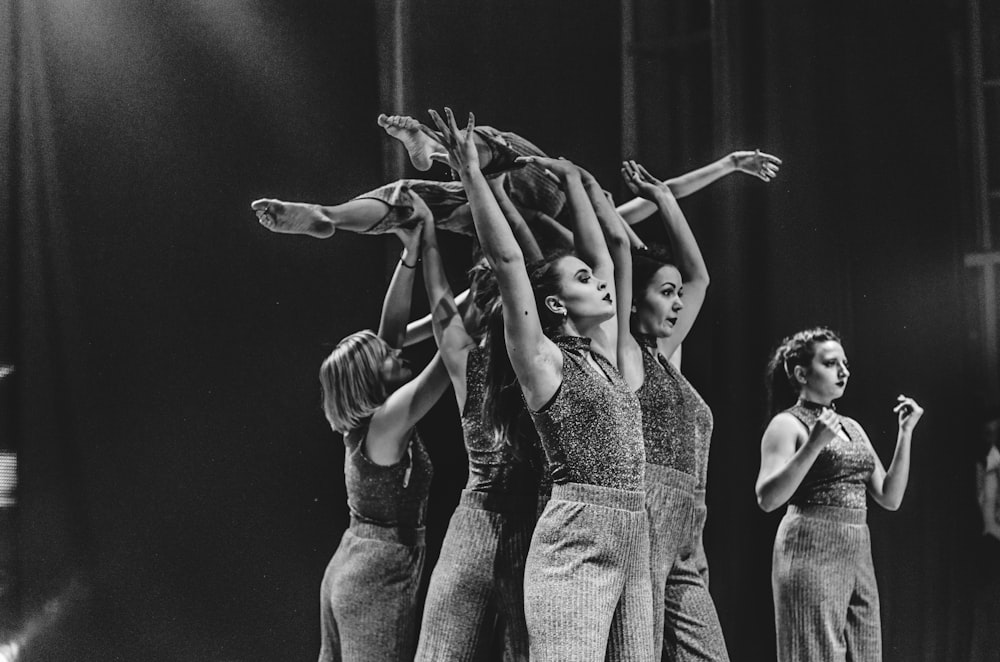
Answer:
(408, 266)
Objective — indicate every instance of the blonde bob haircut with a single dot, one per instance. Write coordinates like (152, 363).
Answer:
(353, 383)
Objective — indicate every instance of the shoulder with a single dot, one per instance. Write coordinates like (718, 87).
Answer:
(785, 424)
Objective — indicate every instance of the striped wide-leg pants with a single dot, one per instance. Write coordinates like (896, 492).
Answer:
(368, 598)
(826, 603)
(586, 582)
(686, 626)
(479, 574)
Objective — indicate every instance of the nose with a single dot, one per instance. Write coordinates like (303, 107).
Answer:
(602, 284)
(844, 372)
(678, 304)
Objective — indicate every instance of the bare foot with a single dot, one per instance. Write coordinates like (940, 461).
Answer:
(293, 218)
(406, 130)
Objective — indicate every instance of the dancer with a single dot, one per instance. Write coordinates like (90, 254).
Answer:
(368, 599)
(587, 574)
(826, 602)
(677, 428)
(481, 567)
(986, 605)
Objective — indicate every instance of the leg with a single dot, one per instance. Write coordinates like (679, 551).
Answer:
(669, 516)
(810, 590)
(374, 598)
(376, 212)
(631, 636)
(693, 632)
(516, 536)
(329, 650)
(864, 621)
(423, 150)
(461, 591)
(572, 582)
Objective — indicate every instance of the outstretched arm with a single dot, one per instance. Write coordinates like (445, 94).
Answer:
(421, 329)
(536, 360)
(782, 466)
(526, 240)
(688, 258)
(619, 246)
(396, 306)
(763, 166)
(453, 340)
(888, 487)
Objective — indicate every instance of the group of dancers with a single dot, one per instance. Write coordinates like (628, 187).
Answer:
(578, 535)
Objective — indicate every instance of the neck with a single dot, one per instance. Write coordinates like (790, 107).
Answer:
(816, 399)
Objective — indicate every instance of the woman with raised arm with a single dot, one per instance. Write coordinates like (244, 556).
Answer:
(480, 571)
(677, 428)
(587, 575)
(368, 599)
(821, 463)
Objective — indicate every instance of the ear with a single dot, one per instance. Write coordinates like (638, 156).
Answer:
(556, 306)
(800, 373)
(634, 309)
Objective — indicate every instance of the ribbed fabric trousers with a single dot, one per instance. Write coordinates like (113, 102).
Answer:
(586, 582)
(700, 516)
(685, 623)
(479, 574)
(368, 598)
(826, 604)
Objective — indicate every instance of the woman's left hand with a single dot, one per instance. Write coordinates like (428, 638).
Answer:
(757, 163)
(908, 412)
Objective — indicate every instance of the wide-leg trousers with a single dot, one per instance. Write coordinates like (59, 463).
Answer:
(826, 604)
(686, 626)
(479, 574)
(586, 582)
(368, 598)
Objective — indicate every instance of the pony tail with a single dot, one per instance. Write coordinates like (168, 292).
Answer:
(780, 393)
(501, 403)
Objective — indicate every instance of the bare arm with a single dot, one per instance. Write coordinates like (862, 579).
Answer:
(396, 306)
(619, 245)
(782, 467)
(756, 163)
(452, 339)
(988, 505)
(888, 487)
(420, 330)
(687, 255)
(389, 430)
(536, 359)
(526, 240)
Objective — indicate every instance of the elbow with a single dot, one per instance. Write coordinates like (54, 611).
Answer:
(765, 501)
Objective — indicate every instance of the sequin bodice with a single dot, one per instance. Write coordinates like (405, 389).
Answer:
(840, 473)
(676, 421)
(493, 464)
(393, 495)
(591, 430)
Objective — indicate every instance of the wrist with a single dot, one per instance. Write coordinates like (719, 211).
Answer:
(406, 258)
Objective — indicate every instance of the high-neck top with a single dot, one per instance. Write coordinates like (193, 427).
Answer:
(591, 429)
(676, 420)
(493, 464)
(839, 475)
(389, 495)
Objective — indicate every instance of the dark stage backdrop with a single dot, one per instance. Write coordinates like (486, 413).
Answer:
(181, 492)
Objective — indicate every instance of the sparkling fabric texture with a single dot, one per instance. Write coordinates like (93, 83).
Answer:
(676, 421)
(393, 495)
(591, 430)
(840, 473)
(493, 465)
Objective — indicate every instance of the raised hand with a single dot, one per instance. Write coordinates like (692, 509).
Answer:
(825, 429)
(908, 413)
(763, 166)
(641, 183)
(460, 147)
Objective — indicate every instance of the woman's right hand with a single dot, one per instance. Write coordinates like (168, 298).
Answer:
(641, 183)
(460, 147)
(825, 429)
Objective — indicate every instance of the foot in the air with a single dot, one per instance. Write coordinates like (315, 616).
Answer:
(418, 144)
(293, 218)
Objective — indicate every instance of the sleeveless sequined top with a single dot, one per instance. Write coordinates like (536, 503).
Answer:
(493, 465)
(840, 473)
(676, 421)
(591, 430)
(393, 495)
